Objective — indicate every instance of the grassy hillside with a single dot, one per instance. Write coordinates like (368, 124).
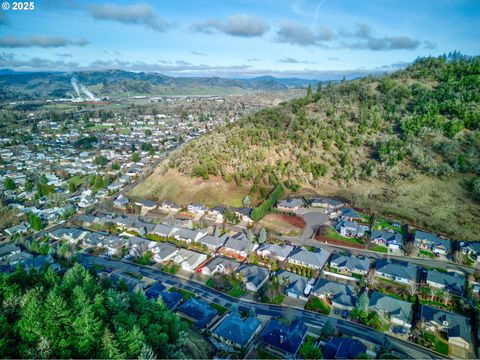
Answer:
(406, 144)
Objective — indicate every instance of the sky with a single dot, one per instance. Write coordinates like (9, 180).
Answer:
(233, 38)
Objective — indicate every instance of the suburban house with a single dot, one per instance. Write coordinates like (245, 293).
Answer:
(431, 242)
(274, 251)
(41, 262)
(163, 230)
(121, 202)
(400, 272)
(296, 286)
(239, 245)
(350, 264)
(284, 339)
(245, 214)
(399, 312)
(350, 214)
(188, 235)
(391, 240)
(326, 203)
(290, 205)
(146, 205)
(236, 333)
(8, 249)
(253, 276)
(217, 213)
(132, 284)
(220, 265)
(343, 348)
(341, 296)
(313, 260)
(213, 242)
(198, 311)
(72, 235)
(197, 209)
(17, 229)
(169, 206)
(164, 251)
(170, 298)
(471, 249)
(189, 260)
(349, 228)
(455, 327)
(449, 281)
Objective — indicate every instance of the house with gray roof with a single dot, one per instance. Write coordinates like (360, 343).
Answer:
(17, 229)
(235, 332)
(399, 312)
(398, 271)
(341, 296)
(239, 245)
(431, 242)
(391, 240)
(188, 235)
(199, 312)
(274, 251)
(8, 249)
(220, 265)
(213, 242)
(163, 252)
(290, 205)
(326, 203)
(188, 259)
(296, 286)
(253, 276)
(163, 230)
(350, 214)
(72, 235)
(311, 259)
(348, 264)
(283, 338)
(455, 327)
(471, 248)
(448, 281)
(349, 228)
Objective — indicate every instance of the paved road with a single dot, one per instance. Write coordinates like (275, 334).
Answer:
(400, 347)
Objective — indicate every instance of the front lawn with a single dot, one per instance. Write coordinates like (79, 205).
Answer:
(427, 254)
(441, 347)
(380, 249)
(236, 290)
(185, 293)
(221, 309)
(317, 305)
(333, 234)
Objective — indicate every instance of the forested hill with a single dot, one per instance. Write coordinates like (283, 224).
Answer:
(420, 121)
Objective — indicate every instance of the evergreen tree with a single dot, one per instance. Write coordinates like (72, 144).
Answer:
(262, 236)
(9, 184)
(110, 347)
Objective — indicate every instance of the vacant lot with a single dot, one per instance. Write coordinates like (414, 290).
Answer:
(283, 224)
(184, 190)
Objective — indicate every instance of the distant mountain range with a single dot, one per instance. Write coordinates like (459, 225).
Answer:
(35, 85)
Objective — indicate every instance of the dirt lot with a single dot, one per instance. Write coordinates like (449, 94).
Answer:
(283, 224)
(184, 190)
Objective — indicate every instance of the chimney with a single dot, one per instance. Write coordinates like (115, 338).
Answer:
(281, 339)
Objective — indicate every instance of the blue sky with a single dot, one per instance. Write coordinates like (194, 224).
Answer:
(234, 38)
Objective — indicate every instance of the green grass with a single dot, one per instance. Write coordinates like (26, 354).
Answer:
(428, 254)
(333, 234)
(264, 355)
(76, 180)
(380, 249)
(186, 294)
(221, 309)
(236, 291)
(315, 304)
(441, 347)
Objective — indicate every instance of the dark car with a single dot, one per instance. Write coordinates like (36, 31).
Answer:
(344, 314)
(336, 311)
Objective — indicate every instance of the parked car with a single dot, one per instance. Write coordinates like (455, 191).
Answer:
(344, 314)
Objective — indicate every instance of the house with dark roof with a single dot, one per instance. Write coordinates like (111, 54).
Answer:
(398, 271)
(168, 205)
(198, 311)
(72, 235)
(253, 276)
(213, 242)
(341, 296)
(239, 245)
(132, 284)
(296, 286)
(471, 249)
(431, 242)
(448, 281)
(163, 230)
(391, 240)
(290, 205)
(455, 327)
(350, 214)
(349, 228)
(399, 312)
(220, 265)
(154, 291)
(282, 338)
(245, 214)
(235, 332)
(311, 259)
(343, 348)
(146, 205)
(348, 264)
(326, 203)
(274, 251)
(171, 299)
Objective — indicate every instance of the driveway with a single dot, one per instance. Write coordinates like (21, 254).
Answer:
(314, 218)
